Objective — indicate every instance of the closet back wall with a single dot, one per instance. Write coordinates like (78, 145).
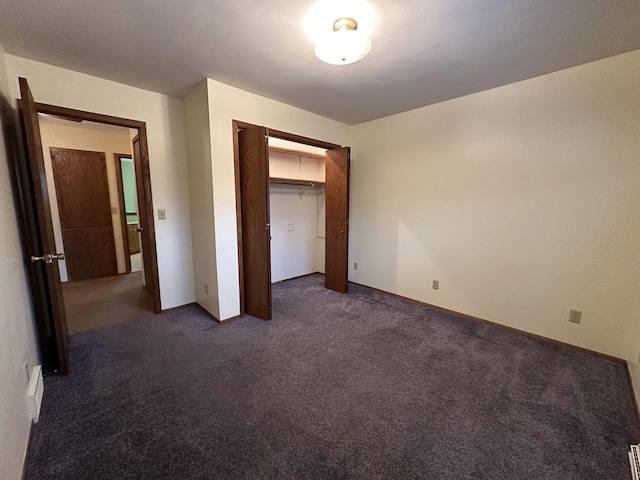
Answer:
(295, 250)
(296, 214)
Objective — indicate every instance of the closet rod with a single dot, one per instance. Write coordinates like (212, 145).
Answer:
(292, 181)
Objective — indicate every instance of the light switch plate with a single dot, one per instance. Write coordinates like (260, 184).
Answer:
(162, 214)
(291, 227)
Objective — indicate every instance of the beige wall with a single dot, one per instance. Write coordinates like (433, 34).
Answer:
(165, 121)
(524, 201)
(201, 198)
(17, 332)
(91, 137)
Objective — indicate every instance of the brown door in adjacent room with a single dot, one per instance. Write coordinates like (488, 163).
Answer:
(85, 213)
(144, 209)
(337, 219)
(44, 272)
(256, 234)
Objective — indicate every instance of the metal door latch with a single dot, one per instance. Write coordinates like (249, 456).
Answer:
(47, 257)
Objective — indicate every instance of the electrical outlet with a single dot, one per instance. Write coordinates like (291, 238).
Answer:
(436, 285)
(114, 210)
(206, 289)
(162, 214)
(355, 265)
(575, 316)
(291, 227)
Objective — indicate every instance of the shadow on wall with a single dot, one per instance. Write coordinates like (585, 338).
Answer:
(17, 168)
(375, 215)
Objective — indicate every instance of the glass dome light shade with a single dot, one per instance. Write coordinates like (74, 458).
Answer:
(343, 47)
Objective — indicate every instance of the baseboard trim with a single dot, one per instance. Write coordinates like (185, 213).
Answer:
(297, 278)
(213, 317)
(203, 310)
(229, 320)
(634, 399)
(25, 464)
(506, 327)
(179, 307)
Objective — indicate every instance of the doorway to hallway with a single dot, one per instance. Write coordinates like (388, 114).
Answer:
(93, 203)
(52, 233)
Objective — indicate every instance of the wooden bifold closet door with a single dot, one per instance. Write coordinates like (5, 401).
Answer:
(85, 213)
(256, 234)
(337, 219)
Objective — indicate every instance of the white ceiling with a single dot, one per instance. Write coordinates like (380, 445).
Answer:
(424, 51)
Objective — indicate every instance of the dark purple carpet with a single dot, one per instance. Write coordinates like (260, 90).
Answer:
(362, 386)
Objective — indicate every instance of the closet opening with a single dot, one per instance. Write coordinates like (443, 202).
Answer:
(292, 204)
(297, 192)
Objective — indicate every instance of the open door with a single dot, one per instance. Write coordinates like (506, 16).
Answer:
(256, 234)
(337, 219)
(142, 216)
(44, 260)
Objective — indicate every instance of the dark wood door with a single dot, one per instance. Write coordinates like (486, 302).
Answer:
(256, 234)
(143, 210)
(44, 263)
(82, 189)
(337, 219)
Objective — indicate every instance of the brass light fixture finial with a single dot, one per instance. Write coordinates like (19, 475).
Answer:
(346, 23)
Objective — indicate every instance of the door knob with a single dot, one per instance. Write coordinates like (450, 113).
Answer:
(139, 229)
(47, 257)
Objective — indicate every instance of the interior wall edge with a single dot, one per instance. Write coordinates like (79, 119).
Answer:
(201, 198)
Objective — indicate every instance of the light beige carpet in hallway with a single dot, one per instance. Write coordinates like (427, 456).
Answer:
(104, 301)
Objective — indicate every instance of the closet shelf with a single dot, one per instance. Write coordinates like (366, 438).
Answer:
(292, 181)
(298, 153)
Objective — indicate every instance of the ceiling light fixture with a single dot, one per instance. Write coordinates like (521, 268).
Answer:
(344, 45)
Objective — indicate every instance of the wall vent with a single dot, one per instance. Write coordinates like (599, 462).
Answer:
(35, 389)
(634, 460)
